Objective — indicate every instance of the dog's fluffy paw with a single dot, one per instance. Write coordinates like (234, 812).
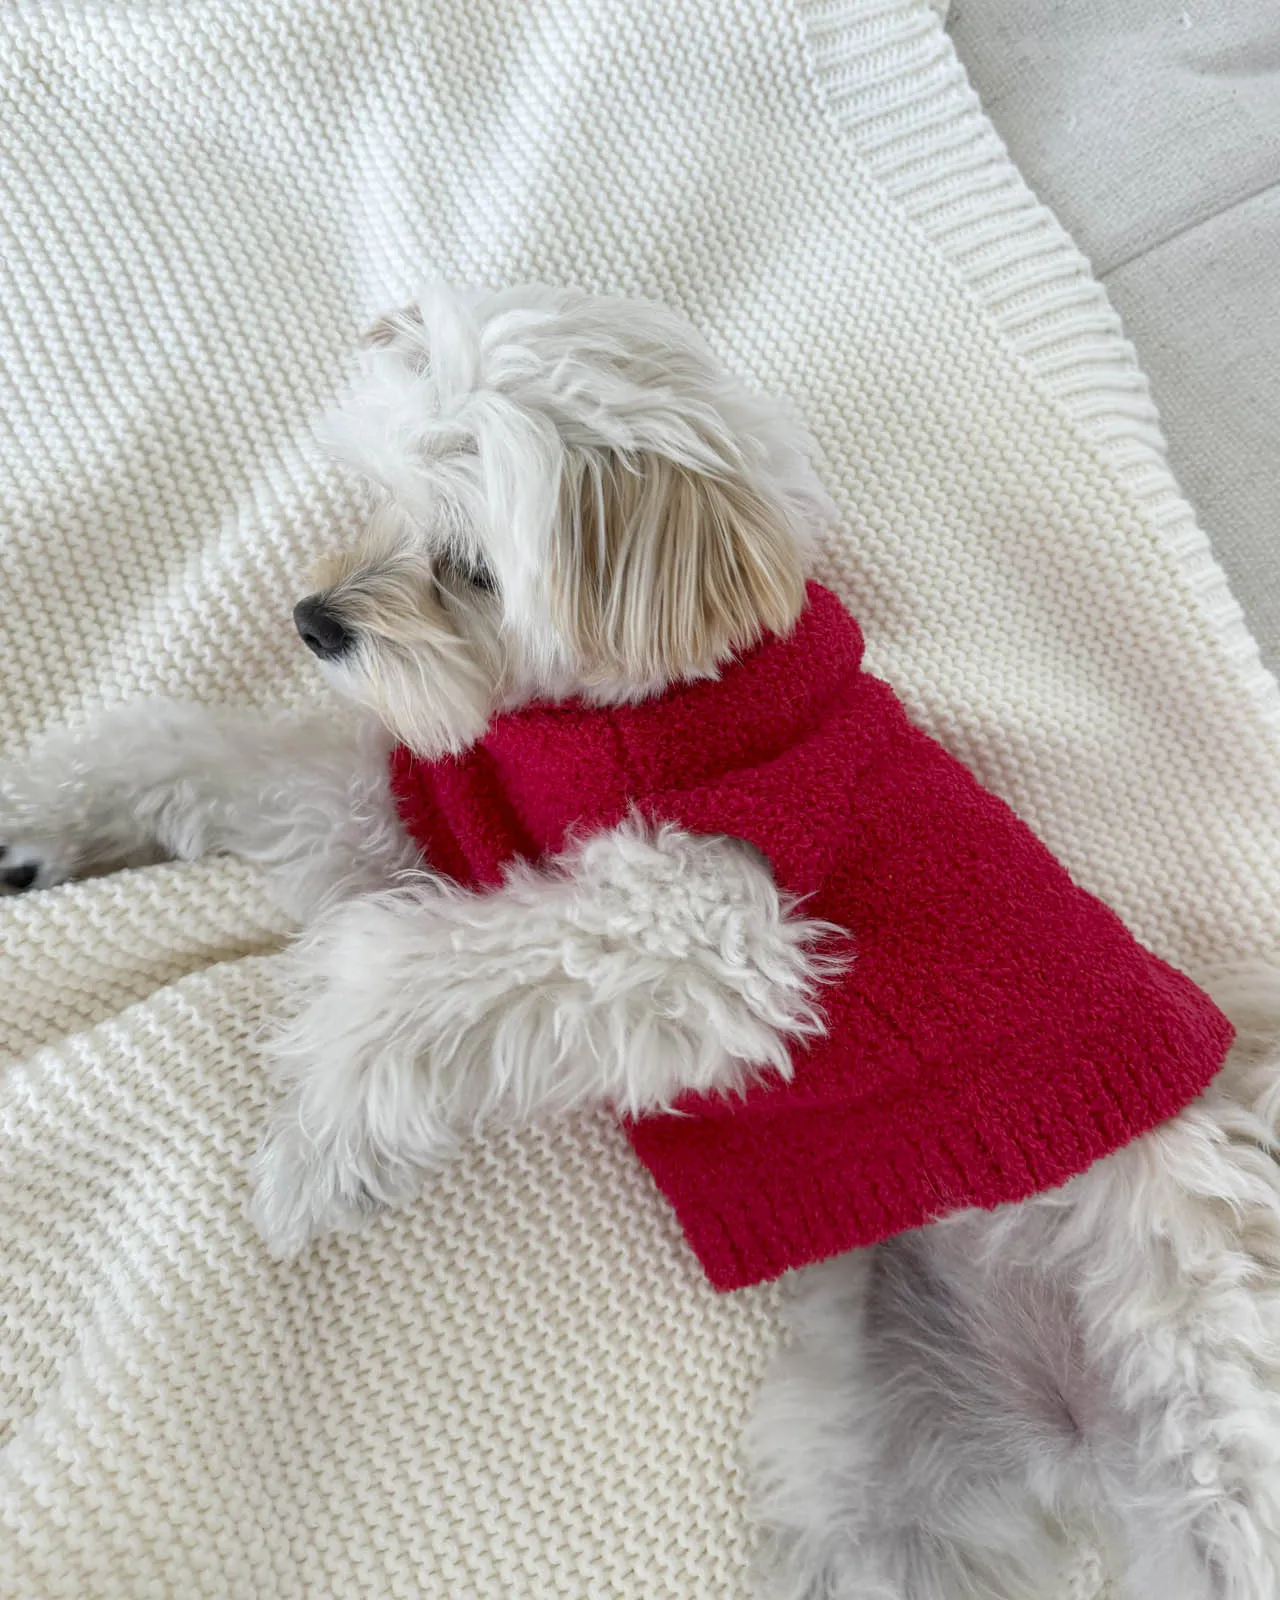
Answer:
(36, 849)
(329, 1160)
(23, 867)
(304, 1189)
(31, 859)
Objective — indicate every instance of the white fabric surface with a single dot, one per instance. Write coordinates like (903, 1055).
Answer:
(519, 1386)
(1154, 133)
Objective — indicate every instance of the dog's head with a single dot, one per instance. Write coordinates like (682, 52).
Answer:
(574, 498)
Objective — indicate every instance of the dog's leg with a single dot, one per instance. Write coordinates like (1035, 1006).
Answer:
(305, 797)
(1176, 1248)
(1104, 1358)
(640, 965)
(921, 1437)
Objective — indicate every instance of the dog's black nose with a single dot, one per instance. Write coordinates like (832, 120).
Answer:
(320, 630)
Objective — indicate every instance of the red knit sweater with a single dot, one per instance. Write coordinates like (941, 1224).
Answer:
(998, 1029)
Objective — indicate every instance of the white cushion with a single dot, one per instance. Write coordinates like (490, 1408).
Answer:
(1154, 133)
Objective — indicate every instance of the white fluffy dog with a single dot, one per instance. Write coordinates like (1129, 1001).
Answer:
(954, 1400)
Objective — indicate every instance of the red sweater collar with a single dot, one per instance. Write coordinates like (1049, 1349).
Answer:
(762, 702)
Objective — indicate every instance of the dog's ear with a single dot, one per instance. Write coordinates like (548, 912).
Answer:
(662, 572)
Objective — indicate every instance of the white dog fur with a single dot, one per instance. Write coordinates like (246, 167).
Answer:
(571, 497)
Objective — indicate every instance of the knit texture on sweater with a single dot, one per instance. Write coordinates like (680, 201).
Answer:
(997, 1030)
(521, 1385)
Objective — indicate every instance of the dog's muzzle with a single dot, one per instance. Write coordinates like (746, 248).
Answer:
(320, 630)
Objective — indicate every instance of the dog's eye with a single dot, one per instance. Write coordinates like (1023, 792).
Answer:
(469, 569)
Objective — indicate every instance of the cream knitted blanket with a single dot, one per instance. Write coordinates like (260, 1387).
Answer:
(520, 1387)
